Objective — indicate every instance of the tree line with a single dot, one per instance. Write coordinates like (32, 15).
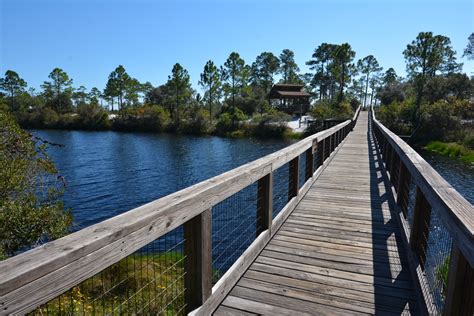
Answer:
(236, 91)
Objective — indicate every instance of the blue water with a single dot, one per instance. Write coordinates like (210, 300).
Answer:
(108, 173)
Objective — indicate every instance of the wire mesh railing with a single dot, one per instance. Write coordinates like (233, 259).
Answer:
(235, 223)
(446, 283)
(302, 170)
(280, 189)
(149, 281)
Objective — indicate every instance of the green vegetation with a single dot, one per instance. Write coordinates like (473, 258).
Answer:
(138, 284)
(30, 189)
(452, 150)
(434, 105)
(442, 272)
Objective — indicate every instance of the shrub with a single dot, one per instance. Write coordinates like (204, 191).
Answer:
(197, 122)
(92, 116)
(30, 189)
(225, 123)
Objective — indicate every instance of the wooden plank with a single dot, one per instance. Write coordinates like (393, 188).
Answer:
(260, 308)
(229, 311)
(328, 288)
(287, 302)
(198, 260)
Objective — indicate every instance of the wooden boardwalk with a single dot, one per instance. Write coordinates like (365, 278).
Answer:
(339, 252)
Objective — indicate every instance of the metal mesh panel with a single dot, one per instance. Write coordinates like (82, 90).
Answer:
(149, 281)
(411, 205)
(302, 170)
(438, 255)
(280, 189)
(315, 161)
(234, 227)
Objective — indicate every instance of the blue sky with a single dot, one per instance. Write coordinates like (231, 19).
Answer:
(88, 39)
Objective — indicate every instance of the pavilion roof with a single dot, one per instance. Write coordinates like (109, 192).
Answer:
(288, 91)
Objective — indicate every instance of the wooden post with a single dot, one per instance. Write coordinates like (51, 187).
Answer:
(293, 178)
(319, 148)
(420, 227)
(264, 203)
(323, 151)
(309, 164)
(198, 260)
(403, 191)
(460, 294)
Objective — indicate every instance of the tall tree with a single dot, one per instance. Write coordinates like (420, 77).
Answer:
(343, 56)
(426, 57)
(390, 76)
(469, 50)
(133, 89)
(232, 75)
(265, 67)
(321, 62)
(210, 80)
(60, 88)
(180, 86)
(13, 85)
(288, 67)
(94, 96)
(80, 96)
(367, 66)
(116, 85)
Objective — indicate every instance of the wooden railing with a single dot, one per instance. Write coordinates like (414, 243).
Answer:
(436, 203)
(40, 275)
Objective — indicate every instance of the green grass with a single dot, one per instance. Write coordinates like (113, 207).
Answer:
(152, 282)
(452, 150)
(442, 274)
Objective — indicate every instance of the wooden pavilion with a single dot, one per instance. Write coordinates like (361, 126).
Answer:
(290, 98)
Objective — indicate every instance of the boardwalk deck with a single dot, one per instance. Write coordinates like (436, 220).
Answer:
(339, 252)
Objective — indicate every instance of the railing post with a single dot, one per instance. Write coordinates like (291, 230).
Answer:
(403, 191)
(198, 260)
(264, 203)
(309, 164)
(331, 144)
(420, 227)
(460, 293)
(319, 148)
(293, 177)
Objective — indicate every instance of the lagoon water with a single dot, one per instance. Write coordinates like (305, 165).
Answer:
(108, 173)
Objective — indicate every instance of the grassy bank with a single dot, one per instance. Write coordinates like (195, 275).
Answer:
(452, 150)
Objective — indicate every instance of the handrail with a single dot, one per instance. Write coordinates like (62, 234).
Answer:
(38, 275)
(457, 212)
(433, 193)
